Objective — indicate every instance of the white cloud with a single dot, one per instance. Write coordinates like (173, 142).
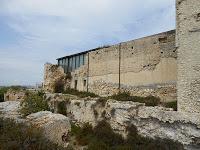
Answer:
(52, 28)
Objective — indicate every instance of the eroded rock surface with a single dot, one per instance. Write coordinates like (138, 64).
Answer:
(10, 109)
(55, 126)
(154, 122)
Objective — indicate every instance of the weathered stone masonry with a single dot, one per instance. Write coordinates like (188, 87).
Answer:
(188, 43)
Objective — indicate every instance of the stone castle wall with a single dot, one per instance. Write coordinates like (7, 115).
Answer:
(188, 44)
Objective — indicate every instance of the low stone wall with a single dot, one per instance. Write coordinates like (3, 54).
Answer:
(14, 95)
(154, 122)
(166, 92)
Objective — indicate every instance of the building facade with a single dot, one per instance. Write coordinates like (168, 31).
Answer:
(145, 66)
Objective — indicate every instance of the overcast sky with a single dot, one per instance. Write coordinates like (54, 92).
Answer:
(33, 32)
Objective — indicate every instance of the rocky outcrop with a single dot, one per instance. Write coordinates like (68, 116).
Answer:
(10, 109)
(154, 122)
(56, 127)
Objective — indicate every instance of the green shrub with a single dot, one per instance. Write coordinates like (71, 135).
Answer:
(149, 100)
(58, 86)
(83, 135)
(17, 136)
(17, 87)
(62, 108)
(104, 132)
(2, 92)
(80, 94)
(171, 105)
(34, 102)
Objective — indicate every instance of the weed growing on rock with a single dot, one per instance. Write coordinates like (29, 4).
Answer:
(149, 100)
(58, 86)
(62, 109)
(96, 114)
(2, 92)
(77, 103)
(171, 105)
(103, 114)
(80, 94)
(34, 102)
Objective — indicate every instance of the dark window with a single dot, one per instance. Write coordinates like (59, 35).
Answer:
(163, 39)
(84, 82)
(77, 62)
(75, 84)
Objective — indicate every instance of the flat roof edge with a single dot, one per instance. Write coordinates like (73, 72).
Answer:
(84, 52)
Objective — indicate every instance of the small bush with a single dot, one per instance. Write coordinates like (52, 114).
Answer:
(149, 100)
(17, 136)
(102, 101)
(34, 102)
(2, 92)
(68, 76)
(83, 135)
(112, 112)
(103, 114)
(80, 94)
(77, 103)
(104, 132)
(96, 114)
(171, 105)
(58, 86)
(62, 108)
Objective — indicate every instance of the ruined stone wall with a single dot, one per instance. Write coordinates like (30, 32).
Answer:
(53, 74)
(14, 95)
(154, 122)
(188, 44)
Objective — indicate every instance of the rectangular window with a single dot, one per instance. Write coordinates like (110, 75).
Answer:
(77, 62)
(81, 60)
(67, 65)
(162, 39)
(73, 63)
(75, 84)
(84, 82)
(58, 62)
(84, 58)
(70, 64)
